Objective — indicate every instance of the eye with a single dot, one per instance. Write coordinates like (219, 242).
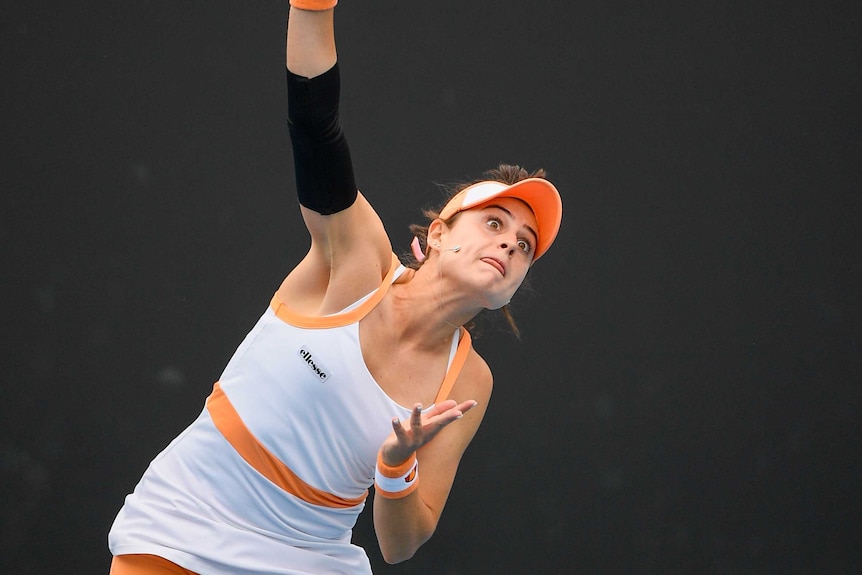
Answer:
(494, 224)
(525, 245)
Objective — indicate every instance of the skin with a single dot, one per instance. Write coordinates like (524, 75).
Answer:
(406, 339)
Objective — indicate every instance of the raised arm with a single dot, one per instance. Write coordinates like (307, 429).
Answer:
(350, 251)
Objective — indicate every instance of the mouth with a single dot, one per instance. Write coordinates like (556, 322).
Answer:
(497, 264)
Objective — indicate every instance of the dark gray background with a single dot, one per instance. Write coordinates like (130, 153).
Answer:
(685, 397)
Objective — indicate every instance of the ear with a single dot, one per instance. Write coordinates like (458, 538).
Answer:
(437, 231)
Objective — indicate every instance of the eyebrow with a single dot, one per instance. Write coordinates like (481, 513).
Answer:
(529, 229)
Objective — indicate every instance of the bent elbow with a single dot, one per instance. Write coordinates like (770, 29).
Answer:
(393, 554)
(394, 558)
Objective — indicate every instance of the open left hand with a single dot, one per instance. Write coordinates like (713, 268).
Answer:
(422, 428)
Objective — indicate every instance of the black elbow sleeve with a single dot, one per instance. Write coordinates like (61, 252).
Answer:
(321, 157)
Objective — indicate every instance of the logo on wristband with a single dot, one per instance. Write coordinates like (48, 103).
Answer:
(412, 475)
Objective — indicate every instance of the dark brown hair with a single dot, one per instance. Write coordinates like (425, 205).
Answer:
(505, 173)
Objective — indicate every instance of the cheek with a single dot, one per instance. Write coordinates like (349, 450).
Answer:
(521, 273)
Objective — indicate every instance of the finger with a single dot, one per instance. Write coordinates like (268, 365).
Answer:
(437, 423)
(442, 407)
(455, 411)
(416, 419)
(398, 429)
(467, 405)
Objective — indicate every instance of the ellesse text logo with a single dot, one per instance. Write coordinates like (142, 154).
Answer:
(313, 364)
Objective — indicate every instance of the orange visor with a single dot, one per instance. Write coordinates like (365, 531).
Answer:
(538, 193)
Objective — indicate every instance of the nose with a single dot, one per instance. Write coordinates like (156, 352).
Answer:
(509, 241)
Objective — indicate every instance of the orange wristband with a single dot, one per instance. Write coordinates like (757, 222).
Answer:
(315, 5)
(396, 482)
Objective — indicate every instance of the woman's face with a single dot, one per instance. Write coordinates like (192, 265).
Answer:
(498, 241)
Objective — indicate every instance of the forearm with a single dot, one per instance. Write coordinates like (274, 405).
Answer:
(310, 47)
(403, 525)
(416, 466)
(323, 169)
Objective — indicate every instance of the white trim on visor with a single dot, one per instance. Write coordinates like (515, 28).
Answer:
(479, 193)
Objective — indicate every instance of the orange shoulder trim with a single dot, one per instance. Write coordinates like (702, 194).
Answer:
(464, 346)
(339, 320)
(231, 426)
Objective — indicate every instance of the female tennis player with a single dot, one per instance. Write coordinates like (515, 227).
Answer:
(359, 372)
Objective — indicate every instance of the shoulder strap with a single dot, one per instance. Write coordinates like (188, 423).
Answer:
(464, 346)
(337, 320)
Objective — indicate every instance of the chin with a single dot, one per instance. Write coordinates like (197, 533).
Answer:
(497, 295)
(499, 301)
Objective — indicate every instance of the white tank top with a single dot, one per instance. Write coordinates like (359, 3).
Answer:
(272, 475)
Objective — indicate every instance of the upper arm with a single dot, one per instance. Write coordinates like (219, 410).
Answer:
(350, 253)
(439, 459)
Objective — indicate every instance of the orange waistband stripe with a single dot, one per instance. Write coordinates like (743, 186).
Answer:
(231, 426)
(146, 565)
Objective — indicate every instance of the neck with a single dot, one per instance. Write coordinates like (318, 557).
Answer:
(428, 308)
